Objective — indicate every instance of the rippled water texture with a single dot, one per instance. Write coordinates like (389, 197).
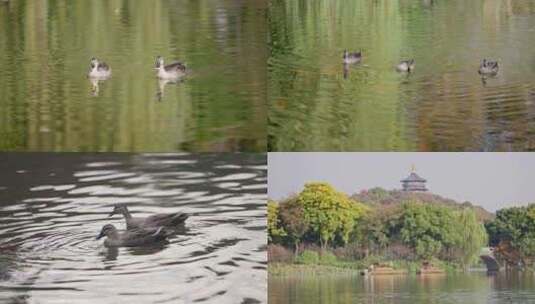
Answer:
(473, 288)
(443, 106)
(48, 104)
(53, 206)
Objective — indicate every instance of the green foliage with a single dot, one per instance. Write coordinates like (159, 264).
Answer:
(411, 231)
(515, 225)
(329, 212)
(427, 228)
(373, 231)
(328, 258)
(434, 230)
(472, 234)
(273, 222)
(308, 257)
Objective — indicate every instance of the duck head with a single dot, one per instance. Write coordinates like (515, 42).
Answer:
(108, 230)
(159, 62)
(94, 63)
(345, 54)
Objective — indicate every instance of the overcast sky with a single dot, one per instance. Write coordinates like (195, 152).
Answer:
(491, 180)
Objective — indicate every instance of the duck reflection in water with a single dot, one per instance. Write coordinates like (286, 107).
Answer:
(112, 253)
(161, 86)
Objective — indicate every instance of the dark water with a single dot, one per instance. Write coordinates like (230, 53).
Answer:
(48, 104)
(52, 206)
(444, 105)
(473, 288)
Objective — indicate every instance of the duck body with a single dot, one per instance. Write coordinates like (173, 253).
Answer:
(488, 67)
(350, 58)
(99, 69)
(171, 71)
(154, 221)
(131, 238)
(405, 66)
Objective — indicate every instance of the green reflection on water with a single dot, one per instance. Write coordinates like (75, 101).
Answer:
(46, 101)
(443, 106)
(476, 288)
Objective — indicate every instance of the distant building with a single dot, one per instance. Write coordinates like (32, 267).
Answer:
(413, 182)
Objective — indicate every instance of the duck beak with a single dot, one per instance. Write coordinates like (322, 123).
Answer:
(100, 236)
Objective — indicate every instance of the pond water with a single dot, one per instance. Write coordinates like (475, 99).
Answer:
(48, 104)
(52, 206)
(474, 288)
(443, 105)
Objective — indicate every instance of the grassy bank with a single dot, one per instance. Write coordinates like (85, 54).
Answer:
(312, 262)
(286, 269)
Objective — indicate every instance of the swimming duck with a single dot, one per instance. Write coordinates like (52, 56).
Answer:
(350, 58)
(99, 69)
(131, 238)
(170, 71)
(405, 66)
(153, 221)
(488, 67)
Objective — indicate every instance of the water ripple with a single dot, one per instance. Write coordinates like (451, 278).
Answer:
(49, 225)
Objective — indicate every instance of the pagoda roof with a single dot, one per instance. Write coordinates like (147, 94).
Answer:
(413, 177)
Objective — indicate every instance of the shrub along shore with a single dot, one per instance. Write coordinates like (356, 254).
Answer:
(321, 229)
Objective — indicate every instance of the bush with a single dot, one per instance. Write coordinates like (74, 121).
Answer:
(328, 258)
(308, 257)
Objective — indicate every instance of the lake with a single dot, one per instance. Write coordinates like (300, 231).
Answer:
(315, 104)
(474, 288)
(52, 207)
(48, 104)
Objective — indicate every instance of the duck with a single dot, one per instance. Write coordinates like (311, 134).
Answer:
(153, 221)
(99, 69)
(171, 71)
(405, 66)
(350, 58)
(488, 67)
(131, 238)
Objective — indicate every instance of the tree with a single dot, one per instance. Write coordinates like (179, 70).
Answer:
(473, 236)
(292, 215)
(427, 228)
(372, 232)
(273, 222)
(329, 212)
(516, 227)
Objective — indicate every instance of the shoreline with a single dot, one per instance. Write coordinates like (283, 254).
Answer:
(282, 269)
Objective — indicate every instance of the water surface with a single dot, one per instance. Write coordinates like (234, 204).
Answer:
(474, 288)
(48, 104)
(444, 105)
(52, 206)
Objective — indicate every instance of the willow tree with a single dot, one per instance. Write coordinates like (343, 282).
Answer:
(329, 212)
(472, 236)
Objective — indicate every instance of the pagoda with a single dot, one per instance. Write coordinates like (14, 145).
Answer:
(413, 182)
